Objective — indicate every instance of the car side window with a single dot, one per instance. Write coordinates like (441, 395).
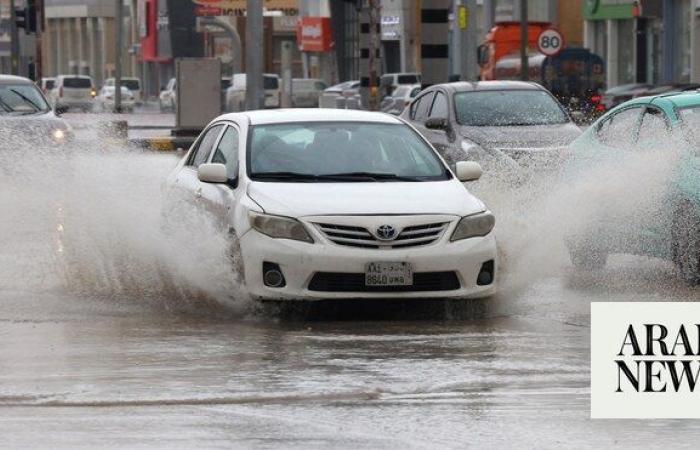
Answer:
(654, 127)
(422, 106)
(226, 152)
(204, 146)
(439, 108)
(619, 129)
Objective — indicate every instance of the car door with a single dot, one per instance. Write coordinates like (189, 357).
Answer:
(187, 179)
(218, 199)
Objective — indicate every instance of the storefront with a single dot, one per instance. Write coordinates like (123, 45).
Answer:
(645, 41)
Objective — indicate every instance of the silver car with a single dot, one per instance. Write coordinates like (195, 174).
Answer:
(510, 124)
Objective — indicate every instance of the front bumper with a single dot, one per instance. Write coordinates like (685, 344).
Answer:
(300, 262)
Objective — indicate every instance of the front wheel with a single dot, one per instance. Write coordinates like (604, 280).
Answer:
(686, 252)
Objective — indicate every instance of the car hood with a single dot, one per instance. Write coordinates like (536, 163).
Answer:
(319, 199)
(30, 127)
(521, 137)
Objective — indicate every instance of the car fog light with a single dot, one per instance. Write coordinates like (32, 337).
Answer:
(272, 275)
(479, 224)
(485, 276)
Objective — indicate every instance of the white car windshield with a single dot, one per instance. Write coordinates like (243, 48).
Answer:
(341, 152)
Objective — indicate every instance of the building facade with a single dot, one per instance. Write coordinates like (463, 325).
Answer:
(79, 38)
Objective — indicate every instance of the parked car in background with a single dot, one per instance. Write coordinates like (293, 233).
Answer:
(660, 126)
(306, 92)
(402, 96)
(620, 94)
(338, 205)
(235, 95)
(513, 124)
(26, 115)
(131, 83)
(332, 97)
(390, 81)
(47, 84)
(72, 92)
(105, 99)
(167, 100)
(225, 84)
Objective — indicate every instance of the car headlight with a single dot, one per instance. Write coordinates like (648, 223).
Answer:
(58, 135)
(475, 225)
(279, 227)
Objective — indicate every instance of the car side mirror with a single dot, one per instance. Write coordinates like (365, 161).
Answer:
(437, 123)
(60, 110)
(212, 173)
(468, 171)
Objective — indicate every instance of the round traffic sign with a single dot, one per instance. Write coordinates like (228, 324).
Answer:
(550, 42)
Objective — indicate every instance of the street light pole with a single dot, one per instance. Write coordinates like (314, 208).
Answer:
(119, 31)
(14, 36)
(524, 42)
(254, 95)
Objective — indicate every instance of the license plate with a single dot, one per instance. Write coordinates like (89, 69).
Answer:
(388, 274)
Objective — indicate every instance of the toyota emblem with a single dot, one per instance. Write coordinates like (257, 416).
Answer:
(386, 232)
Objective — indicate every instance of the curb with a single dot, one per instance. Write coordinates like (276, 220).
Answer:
(163, 144)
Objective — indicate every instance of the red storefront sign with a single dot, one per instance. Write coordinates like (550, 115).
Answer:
(314, 34)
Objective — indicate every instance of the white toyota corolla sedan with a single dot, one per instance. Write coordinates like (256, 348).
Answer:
(330, 204)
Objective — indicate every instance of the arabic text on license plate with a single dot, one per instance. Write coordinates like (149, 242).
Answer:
(388, 274)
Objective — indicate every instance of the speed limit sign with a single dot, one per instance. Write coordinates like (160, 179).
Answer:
(550, 42)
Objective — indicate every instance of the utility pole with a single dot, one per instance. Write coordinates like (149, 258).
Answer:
(286, 70)
(373, 48)
(119, 31)
(465, 56)
(39, 71)
(524, 42)
(254, 95)
(14, 36)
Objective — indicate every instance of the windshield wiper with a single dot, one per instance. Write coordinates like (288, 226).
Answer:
(372, 176)
(5, 106)
(349, 176)
(284, 176)
(26, 99)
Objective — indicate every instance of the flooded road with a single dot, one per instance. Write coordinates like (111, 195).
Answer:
(109, 337)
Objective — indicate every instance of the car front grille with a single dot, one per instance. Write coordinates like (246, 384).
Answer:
(354, 236)
(355, 282)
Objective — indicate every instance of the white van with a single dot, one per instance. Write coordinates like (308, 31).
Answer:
(72, 92)
(235, 95)
(132, 84)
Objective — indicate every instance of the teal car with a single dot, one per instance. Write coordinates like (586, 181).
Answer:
(667, 125)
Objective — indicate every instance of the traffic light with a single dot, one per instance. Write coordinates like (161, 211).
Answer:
(26, 17)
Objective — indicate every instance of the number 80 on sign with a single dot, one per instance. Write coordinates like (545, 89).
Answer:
(550, 42)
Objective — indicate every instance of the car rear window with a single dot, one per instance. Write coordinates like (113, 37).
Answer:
(132, 85)
(270, 83)
(78, 83)
(408, 79)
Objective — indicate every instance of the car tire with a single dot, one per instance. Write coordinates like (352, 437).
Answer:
(586, 257)
(686, 244)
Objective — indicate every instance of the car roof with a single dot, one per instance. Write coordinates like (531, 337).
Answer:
(501, 85)
(678, 99)
(272, 116)
(13, 79)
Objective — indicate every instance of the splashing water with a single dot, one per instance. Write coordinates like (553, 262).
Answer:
(88, 221)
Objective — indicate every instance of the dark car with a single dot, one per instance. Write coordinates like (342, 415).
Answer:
(512, 123)
(26, 116)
